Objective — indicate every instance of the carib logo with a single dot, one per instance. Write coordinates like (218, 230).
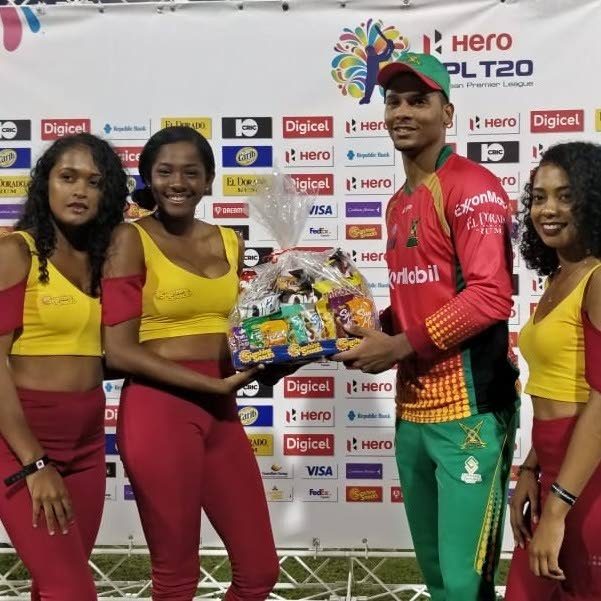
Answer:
(361, 53)
(11, 19)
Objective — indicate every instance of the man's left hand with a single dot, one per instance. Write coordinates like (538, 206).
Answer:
(377, 352)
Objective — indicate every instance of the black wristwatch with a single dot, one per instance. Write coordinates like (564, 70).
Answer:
(30, 468)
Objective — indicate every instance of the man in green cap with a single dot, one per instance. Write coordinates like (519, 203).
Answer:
(450, 269)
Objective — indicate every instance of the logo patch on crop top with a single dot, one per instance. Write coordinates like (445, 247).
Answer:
(63, 299)
(173, 295)
(412, 240)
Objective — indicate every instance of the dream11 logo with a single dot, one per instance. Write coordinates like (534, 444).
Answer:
(12, 26)
(360, 53)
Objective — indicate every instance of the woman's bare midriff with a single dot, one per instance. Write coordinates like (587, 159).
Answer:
(551, 409)
(68, 373)
(189, 348)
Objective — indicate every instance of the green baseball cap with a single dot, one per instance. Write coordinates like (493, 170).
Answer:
(427, 67)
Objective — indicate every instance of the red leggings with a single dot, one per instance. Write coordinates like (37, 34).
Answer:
(580, 556)
(184, 452)
(70, 428)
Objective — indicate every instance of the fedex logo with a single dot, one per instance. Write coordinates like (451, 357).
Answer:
(308, 127)
(308, 444)
(309, 417)
(309, 387)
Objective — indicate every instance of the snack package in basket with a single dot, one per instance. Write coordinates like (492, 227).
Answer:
(293, 307)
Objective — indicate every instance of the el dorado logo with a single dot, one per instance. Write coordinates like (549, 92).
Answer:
(244, 185)
(14, 186)
(262, 444)
(203, 125)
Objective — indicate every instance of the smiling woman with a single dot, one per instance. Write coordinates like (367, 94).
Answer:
(51, 399)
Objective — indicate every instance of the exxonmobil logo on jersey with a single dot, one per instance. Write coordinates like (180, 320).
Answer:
(308, 127)
(321, 387)
(414, 276)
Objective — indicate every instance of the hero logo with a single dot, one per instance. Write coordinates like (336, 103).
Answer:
(537, 152)
(476, 42)
(309, 387)
(377, 446)
(308, 127)
(52, 129)
(320, 471)
(368, 258)
(301, 157)
(306, 417)
(492, 124)
(554, 121)
(414, 276)
(129, 155)
(359, 389)
(360, 128)
(308, 444)
(468, 205)
(320, 184)
(370, 185)
(224, 210)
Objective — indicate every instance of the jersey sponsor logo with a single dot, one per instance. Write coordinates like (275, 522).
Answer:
(415, 276)
(413, 240)
(470, 204)
(203, 125)
(551, 121)
(307, 127)
(246, 127)
(471, 475)
(472, 439)
(487, 223)
(494, 152)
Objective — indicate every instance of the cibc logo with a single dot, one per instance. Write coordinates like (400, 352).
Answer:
(52, 129)
(308, 127)
(308, 444)
(309, 387)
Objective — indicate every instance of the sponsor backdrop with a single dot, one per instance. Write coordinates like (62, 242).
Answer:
(292, 88)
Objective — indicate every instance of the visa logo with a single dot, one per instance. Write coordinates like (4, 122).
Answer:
(320, 471)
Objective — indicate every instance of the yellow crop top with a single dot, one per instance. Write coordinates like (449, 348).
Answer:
(58, 318)
(554, 350)
(177, 302)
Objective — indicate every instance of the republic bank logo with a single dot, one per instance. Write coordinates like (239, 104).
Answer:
(361, 51)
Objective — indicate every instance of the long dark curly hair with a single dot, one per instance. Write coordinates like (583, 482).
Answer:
(169, 135)
(582, 163)
(38, 219)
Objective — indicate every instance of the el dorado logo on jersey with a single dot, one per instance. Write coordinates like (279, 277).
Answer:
(247, 156)
(494, 152)
(360, 52)
(470, 476)
(472, 436)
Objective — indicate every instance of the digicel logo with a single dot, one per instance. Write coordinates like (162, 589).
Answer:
(225, 210)
(52, 129)
(320, 184)
(308, 127)
(308, 444)
(129, 155)
(309, 387)
(364, 494)
(110, 415)
(554, 121)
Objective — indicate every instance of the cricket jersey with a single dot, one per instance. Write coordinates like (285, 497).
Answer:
(450, 269)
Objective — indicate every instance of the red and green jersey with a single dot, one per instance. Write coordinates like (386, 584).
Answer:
(450, 268)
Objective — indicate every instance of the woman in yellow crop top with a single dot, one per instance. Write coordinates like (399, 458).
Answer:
(556, 506)
(170, 283)
(51, 399)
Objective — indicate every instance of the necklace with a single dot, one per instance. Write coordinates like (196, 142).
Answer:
(550, 293)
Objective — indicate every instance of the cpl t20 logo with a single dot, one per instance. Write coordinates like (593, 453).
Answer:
(360, 53)
(11, 20)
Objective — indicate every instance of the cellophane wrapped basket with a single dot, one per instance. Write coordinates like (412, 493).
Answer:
(296, 305)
